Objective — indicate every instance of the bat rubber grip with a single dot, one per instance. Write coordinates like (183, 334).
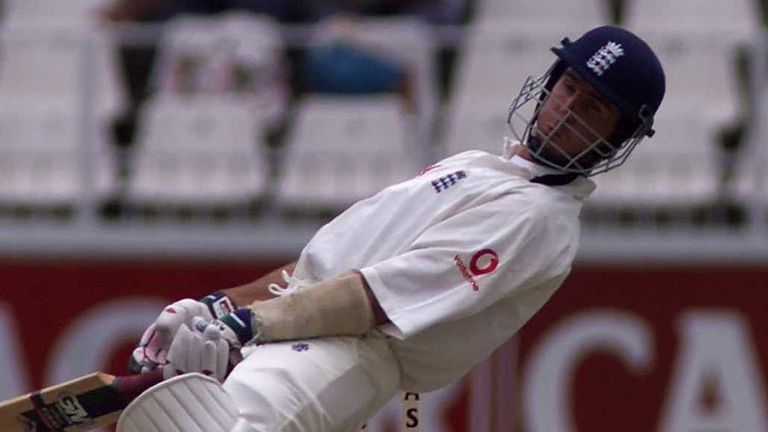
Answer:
(131, 386)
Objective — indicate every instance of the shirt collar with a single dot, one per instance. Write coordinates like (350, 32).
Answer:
(580, 187)
(535, 169)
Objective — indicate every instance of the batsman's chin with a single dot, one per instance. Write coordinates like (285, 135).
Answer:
(540, 146)
(547, 151)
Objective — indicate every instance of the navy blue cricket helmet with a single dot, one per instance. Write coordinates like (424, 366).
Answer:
(624, 70)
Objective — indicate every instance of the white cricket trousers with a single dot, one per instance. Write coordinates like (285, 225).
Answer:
(314, 385)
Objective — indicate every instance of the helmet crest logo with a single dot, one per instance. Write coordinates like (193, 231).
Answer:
(605, 57)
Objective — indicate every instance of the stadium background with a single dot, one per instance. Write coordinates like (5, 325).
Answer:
(115, 126)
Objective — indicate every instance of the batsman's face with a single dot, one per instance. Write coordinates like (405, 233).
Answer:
(575, 117)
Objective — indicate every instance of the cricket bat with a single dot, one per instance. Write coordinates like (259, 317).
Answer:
(79, 405)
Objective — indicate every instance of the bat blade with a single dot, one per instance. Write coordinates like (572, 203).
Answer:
(78, 405)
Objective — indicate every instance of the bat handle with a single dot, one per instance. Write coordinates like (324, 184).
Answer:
(129, 387)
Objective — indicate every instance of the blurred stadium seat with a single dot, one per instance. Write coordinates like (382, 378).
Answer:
(236, 63)
(494, 62)
(234, 54)
(42, 157)
(476, 127)
(683, 165)
(678, 168)
(63, 61)
(198, 151)
(736, 16)
(218, 90)
(565, 15)
(70, 10)
(700, 69)
(60, 87)
(344, 148)
(404, 39)
(749, 182)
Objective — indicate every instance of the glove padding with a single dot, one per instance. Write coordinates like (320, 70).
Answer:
(156, 341)
(152, 350)
(201, 348)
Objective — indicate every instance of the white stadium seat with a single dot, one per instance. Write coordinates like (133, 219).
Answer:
(750, 179)
(566, 15)
(198, 151)
(44, 59)
(83, 10)
(678, 167)
(749, 184)
(496, 58)
(257, 51)
(182, 64)
(476, 127)
(235, 54)
(219, 87)
(701, 71)
(682, 164)
(42, 158)
(403, 39)
(735, 16)
(494, 63)
(345, 148)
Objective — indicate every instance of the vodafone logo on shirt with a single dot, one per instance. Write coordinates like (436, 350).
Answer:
(481, 263)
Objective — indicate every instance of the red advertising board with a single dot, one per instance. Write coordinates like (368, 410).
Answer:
(638, 350)
(620, 349)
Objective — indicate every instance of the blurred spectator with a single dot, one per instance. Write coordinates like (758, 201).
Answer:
(340, 67)
(432, 11)
(138, 60)
(137, 10)
(336, 67)
(286, 11)
(442, 12)
(344, 59)
(290, 11)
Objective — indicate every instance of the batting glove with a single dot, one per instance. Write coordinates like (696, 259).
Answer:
(211, 348)
(155, 343)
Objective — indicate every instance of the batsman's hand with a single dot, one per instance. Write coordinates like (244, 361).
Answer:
(209, 347)
(155, 343)
(200, 348)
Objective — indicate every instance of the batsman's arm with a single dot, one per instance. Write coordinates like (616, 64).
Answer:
(258, 290)
(340, 306)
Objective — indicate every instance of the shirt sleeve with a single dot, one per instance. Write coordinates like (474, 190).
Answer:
(467, 262)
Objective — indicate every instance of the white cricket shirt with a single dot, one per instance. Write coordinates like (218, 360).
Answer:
(460, 257)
